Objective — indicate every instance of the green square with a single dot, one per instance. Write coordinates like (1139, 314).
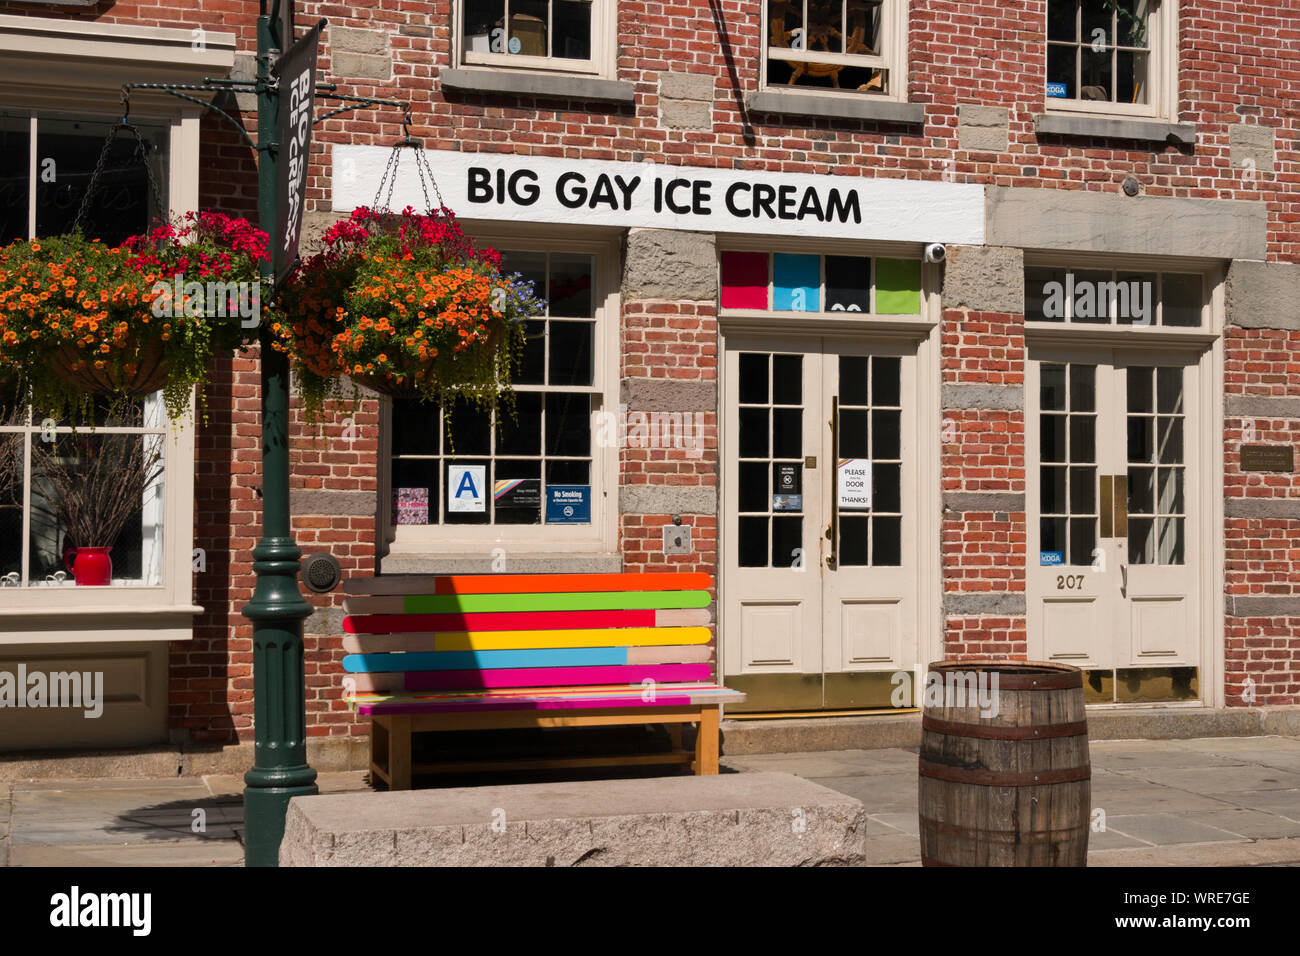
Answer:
(898, 287)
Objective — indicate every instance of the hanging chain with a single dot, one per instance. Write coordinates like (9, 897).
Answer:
(422, 168)
(141, 152)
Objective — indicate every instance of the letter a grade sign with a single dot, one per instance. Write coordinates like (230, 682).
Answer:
(466, 489)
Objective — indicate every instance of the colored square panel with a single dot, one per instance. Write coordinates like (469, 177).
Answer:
(744, 280)
(898, 286)
(796, 283)
(848, 284)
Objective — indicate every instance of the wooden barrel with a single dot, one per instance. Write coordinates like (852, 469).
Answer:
(1005, 775)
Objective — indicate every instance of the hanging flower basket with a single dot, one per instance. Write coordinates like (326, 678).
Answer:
(146, 374)
(403, 304)
(80, 319)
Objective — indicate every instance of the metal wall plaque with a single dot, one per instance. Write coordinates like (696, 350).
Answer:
(1268, 458)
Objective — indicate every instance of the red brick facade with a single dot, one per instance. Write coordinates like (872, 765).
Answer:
(1238, 64)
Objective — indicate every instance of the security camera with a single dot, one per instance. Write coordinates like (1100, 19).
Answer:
(936, 252)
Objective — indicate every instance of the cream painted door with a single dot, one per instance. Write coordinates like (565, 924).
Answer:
(1114, 536)
(818, 601)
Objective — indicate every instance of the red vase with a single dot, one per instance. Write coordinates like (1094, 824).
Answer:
(92, 567)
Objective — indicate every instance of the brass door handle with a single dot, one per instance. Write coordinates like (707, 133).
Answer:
(1113, 506)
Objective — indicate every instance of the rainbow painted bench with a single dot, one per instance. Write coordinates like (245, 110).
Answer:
(480, 652)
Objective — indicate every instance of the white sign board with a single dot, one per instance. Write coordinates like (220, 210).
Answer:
(466, 489)
(489, 186)
(854, 483)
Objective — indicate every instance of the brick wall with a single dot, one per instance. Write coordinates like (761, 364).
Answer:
(1237, 76)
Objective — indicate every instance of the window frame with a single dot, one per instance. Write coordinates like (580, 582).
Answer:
(604, 43)
(1163, 103)
(176, 585)
(477, 541)
(892, 58)
(175, 592)
(1211, 296)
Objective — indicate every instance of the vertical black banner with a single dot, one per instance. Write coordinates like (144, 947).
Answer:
(296, 71)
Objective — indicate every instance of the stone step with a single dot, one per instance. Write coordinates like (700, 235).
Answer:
(737, 819)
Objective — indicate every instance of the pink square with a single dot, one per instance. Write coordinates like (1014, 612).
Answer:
(744, 280)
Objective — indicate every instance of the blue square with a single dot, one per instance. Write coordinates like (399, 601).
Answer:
(796, 283)
(568, 504)
(1059, 90)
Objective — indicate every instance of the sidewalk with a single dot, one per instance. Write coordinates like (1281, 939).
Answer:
(1211, 802)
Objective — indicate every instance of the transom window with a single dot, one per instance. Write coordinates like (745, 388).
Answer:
(547, 34)
(790, 282)
(850, 45)
(1110, 55)
(1116, 297)
(532, 460)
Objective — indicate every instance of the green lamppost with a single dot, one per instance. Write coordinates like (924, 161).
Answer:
(280, 770)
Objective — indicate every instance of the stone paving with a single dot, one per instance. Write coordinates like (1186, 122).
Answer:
(1210, 802)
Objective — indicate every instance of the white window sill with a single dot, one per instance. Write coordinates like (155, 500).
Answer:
(97, 625)
(1107, 127)
(546, 85)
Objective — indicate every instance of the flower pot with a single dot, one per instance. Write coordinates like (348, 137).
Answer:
(79, 372)
(418, 373)
(91, 567)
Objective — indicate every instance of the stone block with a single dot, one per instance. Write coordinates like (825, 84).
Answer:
(351, 40)
(687, 86)
(1263, 295)
(1252, 146)
(1078, 220)
(362, 66)
(667, 500)
(984, 279)
(670, 264)
(745, 819)
(686, 114)
(982, 129)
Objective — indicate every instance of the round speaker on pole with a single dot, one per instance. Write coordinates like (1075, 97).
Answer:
(321, 572)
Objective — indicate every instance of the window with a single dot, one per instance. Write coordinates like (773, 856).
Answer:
(1068, 510)
(855, 46)
(536, 469)
(795, 282)
(42, 189)
(567, 35)
(48, 159)
(42, 465)
(1111, 56)
(1116, 297)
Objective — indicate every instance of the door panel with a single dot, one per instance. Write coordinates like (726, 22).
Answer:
(811, 591)
(1113, 538)
(770, 589)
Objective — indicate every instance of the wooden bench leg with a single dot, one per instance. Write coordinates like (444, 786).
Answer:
(399, 752)
(378, 749)
(706, 742)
